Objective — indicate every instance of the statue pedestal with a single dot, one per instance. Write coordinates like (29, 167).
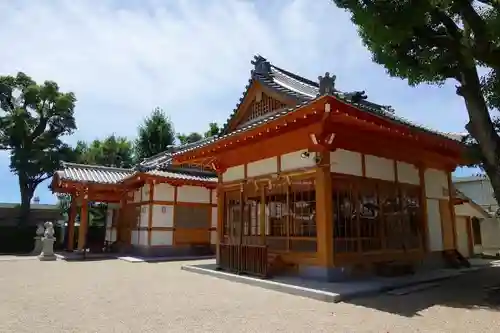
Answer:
(38, 246)
(47, 249)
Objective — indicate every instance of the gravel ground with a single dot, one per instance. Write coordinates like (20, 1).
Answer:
(116, 296)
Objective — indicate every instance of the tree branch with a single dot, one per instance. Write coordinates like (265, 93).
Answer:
(483, 48)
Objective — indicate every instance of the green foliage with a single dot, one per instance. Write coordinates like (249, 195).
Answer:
(112, 152)
(155, 135)
(213, 130)
(432, 41)
(33, 119)
(189, 138)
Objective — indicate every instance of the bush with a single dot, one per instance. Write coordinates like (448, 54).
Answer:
(17, 239)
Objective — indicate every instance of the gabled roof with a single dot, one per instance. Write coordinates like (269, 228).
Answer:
(164, 159)
(303, 89)
(92, 173)
(96, 174)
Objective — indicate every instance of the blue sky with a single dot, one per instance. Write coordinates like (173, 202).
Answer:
(192, 58)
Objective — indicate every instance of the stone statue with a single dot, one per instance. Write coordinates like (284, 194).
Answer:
(48, 243)
(38, 240)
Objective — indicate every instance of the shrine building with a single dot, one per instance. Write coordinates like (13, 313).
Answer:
(155, 209)
(323, 183)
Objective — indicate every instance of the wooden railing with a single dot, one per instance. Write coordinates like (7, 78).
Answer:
(246, 259)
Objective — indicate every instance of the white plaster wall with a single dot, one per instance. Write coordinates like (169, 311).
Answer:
(139, 237)
(137, 195)
(163, 216)
(144, 216)
(294, 160)
(214, 196)
(262, 167)
(164, 192)
(462, 236)
(213, 237)
(145, 192)
(466, 209)
(346, 162)
(111, 234)
(490, 235)
(436, 184)
(379, 168)
(193, 194)
(408, 173)
(109, 217)
(214, 217)
(161, 237)
(234, 173)
(434, 225)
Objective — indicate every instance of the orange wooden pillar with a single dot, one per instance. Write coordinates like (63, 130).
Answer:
(324, 212)
(82, 232)
(71, 224)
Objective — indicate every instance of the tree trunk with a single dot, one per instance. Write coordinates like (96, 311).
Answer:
(481, 127)
(27, 193)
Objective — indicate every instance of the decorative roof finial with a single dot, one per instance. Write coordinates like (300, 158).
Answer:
(326, 84)
(262, 66)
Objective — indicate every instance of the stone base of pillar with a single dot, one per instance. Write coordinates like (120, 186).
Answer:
(38, 246)
(43, 257)
(47, 250)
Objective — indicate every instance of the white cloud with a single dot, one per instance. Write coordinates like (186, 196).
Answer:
(121, 62)
(122, 58)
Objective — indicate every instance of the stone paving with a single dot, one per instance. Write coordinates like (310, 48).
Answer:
(117, 296)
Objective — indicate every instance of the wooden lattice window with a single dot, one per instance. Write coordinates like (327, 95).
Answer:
(233, 213)
(345, 222)
(265, 105)
(392, 217)
(302, 203)
(370, 219)
(251, 211)
(276, 209)
(411, 216)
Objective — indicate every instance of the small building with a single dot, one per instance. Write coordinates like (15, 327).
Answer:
(480, 205)
(155, 209)
(325, 183)
(471, 222)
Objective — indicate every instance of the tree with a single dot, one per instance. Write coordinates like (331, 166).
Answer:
(432, 41)
(155, 135)
(189, 138)
(33, 119)
(113, 151)
(213, 130)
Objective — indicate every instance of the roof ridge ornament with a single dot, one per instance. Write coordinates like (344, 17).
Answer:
(261, 65)
(326, 84)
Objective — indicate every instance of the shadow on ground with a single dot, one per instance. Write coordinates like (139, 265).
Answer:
(474, 290)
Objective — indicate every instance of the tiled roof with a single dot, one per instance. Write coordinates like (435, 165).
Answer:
(93, 173)
(303, 90)
(163, 160)
(272, 116)
(108, 175)
(203, 177)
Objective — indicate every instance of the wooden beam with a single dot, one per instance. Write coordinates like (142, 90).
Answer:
(82, 231)
(324, 213)
(71, 223)
(150, 215)
(451, 205)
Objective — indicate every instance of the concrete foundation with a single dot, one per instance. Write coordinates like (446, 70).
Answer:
(171, 251)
